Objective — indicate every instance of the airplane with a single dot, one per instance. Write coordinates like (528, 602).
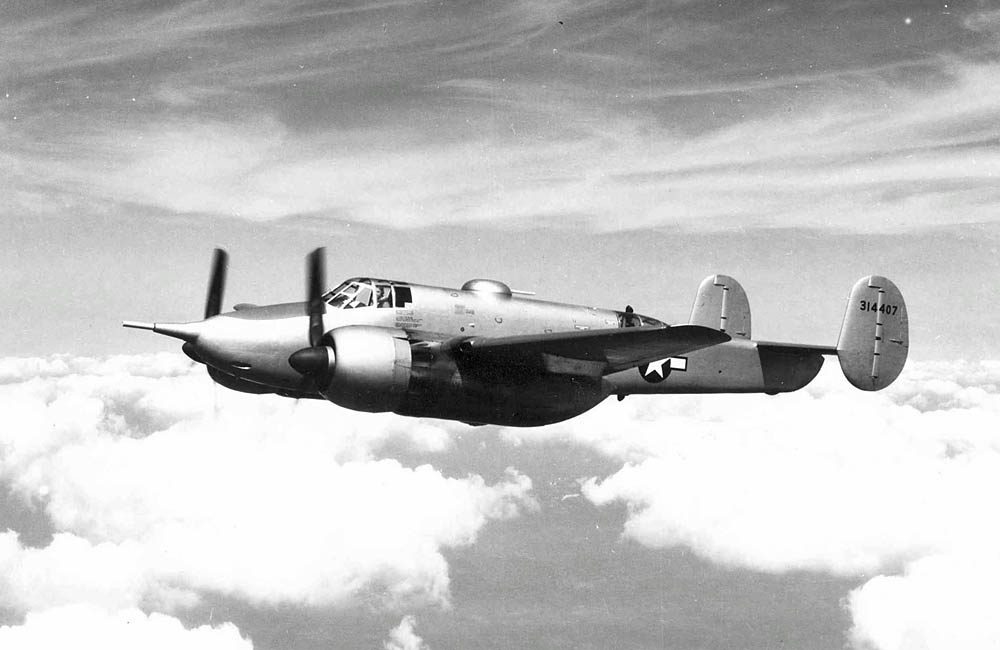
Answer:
(485, 354)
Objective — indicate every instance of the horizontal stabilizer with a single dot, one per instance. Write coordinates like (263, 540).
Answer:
(591, 352)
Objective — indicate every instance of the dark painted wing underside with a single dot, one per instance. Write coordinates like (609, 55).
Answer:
(592, 352)
(795, 348)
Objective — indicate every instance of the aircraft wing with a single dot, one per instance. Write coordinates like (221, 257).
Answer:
(590, 352)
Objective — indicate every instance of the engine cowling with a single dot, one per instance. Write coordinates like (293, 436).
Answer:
(371, 368)
(237, 384)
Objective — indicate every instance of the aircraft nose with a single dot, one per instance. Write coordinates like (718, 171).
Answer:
(255, 347)
(184, 331)
(257, 350)
(222, 343)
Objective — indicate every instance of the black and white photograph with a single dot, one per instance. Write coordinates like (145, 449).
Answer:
(426, 325)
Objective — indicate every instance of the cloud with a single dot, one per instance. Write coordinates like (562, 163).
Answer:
(827, 479)
(155, 366)
(155, 500)
(403, 636)
(843, 166)
(823, 480)
(984, 20)
(897, 484)
(90, 628)
(505, 118)
(939, 602)
(69, 571)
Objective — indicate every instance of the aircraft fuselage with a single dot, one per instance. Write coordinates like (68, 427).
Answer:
(401, 356)
(402, 350)
(483, 354)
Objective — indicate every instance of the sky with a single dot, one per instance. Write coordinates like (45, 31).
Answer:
(602, 153)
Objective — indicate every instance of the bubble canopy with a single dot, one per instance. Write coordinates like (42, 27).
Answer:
(487, 286)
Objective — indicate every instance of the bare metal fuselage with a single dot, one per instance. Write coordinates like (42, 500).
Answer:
(403, 358)
(484, 355)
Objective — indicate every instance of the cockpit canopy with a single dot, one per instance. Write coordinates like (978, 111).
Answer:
(368, 292)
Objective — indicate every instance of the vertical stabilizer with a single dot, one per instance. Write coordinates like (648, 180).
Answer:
(722, 304)
(875, 337)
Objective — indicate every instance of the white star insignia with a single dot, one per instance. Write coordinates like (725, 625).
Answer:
(657, 367)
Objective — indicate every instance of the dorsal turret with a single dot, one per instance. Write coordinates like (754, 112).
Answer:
(487, 286)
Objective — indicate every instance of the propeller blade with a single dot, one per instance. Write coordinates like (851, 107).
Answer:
(316, 281)
(216, 283)
(315, 361)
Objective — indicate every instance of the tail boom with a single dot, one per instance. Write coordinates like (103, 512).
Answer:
(872, 347)
(737, 366)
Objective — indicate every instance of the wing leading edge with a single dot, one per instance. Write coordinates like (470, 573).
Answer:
(591, 352)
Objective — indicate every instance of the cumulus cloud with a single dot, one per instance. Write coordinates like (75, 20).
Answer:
(899, 484)
(404, 637)
(68, 571)
(939, 602)
(157, 498)
(895, 487)
(91, 628)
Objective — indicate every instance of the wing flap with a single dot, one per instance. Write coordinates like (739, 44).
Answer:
(795, 348)
(591, 353)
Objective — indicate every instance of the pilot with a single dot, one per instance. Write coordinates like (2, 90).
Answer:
(384, 298)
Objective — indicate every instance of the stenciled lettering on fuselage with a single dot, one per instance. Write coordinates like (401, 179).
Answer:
(657, 371)
(406, 319)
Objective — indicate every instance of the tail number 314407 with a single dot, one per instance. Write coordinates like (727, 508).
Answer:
(885, 309)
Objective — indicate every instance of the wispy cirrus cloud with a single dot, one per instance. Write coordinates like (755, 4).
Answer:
(615, 117)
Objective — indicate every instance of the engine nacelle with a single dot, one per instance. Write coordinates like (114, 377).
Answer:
(237, 384)
(371, 369)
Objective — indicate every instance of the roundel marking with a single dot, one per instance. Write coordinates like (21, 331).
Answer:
(657, 371)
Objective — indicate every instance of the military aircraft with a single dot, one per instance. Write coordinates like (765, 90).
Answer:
(484, 354)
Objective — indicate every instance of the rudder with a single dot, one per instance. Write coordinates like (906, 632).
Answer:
(874, 339)
(721, 303)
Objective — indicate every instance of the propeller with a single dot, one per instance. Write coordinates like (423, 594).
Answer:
(216, 283)
(213, 301)
(317, 360)
(213, 306)
(316, 280)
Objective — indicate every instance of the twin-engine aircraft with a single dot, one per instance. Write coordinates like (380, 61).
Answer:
(485, 354)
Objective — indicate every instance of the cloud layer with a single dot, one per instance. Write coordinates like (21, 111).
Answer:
(155, 499)
(898, 483)
(90, 628)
